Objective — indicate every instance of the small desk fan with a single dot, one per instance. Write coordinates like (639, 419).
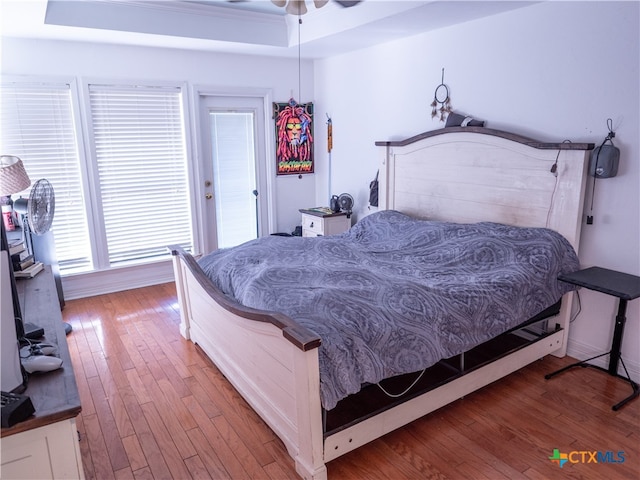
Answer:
(37, 210)
(345, 201)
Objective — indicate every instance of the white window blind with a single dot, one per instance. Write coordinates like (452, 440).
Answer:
(138, 138)
(234, 176)
(37, 125)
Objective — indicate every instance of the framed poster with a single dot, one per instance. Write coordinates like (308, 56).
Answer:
(294, 137)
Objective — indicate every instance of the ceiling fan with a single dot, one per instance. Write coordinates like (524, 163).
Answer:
(299, 7)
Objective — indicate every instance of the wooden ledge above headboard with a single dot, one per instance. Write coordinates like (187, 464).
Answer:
(488, 131)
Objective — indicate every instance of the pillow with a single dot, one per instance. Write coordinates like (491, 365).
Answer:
(456, 120)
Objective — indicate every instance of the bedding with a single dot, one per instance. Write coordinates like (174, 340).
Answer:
(395, 294)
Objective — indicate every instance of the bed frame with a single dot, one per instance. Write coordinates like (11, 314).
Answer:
(462, 174)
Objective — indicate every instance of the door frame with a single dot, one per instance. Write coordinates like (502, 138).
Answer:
(203, 226)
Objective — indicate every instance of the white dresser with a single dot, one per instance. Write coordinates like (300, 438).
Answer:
(45, 446)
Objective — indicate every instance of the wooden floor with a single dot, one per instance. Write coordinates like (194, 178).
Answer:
(153, 406)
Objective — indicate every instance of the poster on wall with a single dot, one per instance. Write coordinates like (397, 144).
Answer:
(294, 137)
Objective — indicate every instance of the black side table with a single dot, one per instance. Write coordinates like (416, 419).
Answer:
(625, 287)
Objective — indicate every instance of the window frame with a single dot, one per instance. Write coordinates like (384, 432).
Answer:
(101, 255)
(77, 121)
(85, 145)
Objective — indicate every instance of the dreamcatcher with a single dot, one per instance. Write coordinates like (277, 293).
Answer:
(441, 97)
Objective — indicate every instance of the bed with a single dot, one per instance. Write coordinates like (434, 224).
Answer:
(438, 180)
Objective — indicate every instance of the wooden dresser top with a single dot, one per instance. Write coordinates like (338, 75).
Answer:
(54, 394)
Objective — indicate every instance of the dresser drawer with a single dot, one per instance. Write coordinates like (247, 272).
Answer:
(328, 224)
(312, 226)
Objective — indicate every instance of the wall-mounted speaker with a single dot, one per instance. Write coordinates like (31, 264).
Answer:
(604, 161)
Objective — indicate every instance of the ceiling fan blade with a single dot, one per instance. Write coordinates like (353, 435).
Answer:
(296, 7)
(320, 3)
(348, 3)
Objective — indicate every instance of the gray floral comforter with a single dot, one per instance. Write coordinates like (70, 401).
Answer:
(394, 294)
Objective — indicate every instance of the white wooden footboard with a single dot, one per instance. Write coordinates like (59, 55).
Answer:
(272, 362)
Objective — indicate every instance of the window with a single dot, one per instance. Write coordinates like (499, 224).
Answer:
(141, 167)
(38, 125)
(133, 188)
(234, 176)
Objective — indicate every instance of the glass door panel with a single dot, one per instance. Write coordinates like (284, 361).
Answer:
(234, 177)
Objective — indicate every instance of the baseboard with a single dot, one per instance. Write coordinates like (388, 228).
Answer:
(116, 280)
(582, 351)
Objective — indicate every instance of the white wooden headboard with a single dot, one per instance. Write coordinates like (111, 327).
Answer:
(472, 174)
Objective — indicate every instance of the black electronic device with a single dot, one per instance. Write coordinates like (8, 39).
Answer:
(604, 161)
(17, 311)
(334, 204)
(605, 158)
(32, 331)
(15, 408)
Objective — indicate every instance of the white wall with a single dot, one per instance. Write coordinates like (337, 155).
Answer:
(551, 71)
(226, 72)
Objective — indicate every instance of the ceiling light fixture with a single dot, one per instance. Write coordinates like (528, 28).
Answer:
(298, 7)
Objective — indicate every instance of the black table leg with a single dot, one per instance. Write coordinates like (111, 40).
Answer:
(614, 357)
(634, 386)
(618, 332)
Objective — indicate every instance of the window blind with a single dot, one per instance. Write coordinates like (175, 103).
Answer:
(140, 154)
(37, 124)
(234, 177)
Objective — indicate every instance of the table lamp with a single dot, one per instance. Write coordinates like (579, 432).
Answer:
(13, 179)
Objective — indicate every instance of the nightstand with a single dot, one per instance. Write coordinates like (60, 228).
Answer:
(623, 286)
(317, 222)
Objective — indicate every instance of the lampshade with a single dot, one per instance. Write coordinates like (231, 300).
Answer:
(13, 176)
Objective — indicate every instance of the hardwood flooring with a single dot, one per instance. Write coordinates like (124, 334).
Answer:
(154, 407)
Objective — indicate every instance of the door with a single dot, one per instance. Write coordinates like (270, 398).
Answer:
(234, 154)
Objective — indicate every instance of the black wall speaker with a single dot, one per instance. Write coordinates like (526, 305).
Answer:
(604, 161)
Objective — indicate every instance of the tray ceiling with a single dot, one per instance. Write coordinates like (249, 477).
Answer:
(248, 27)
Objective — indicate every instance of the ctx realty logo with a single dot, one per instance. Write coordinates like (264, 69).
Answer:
(586, 456)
